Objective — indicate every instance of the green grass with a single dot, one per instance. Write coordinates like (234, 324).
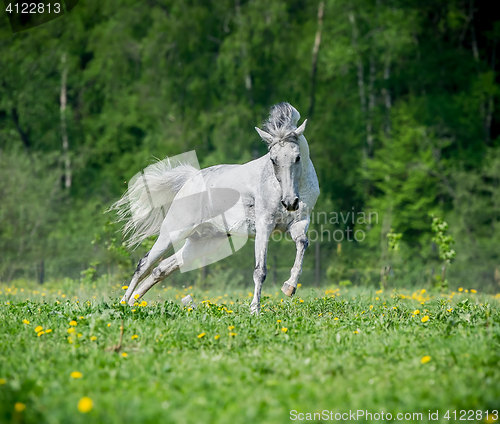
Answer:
(338, 351)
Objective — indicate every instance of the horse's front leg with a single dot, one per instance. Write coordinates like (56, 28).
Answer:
(298, 231)
(259, 274)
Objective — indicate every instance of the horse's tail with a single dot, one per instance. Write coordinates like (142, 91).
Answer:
(148, 198)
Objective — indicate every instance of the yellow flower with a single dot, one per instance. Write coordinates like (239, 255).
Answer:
(38, 329)
(2, 381)
(133, 310)
(136, 296)
(70, 341)
(72, 323)
(473, 291)
(301, 301)
(25, 321)
(425, 359)
(40, 333)
(125, 287)
(229, 312)
(76, 374)
(109, 324)
(144, 303)
(278, 320)
(299, 285)
(48, 330)
(81, 317)
(356, 332)
(71, 330)
(449, 310)
(79, 335)
(93, 338)
(233, 334)
(85, 405)
(123, 302)
(135, 336)
(19, 407)
(371, 306)
(460, 289)
(335, 319)
(466, 291)
(217, 337)
(124, 354)
(425, 319)
(394, 307)
(423, 291)
(201, 335)
(416, 312)
(231, 327)
(284, 329)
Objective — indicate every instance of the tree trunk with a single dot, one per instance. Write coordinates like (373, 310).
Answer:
(64, 132)
(317, 263)
(315, 52)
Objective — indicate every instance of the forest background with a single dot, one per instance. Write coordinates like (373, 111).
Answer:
(401, 98)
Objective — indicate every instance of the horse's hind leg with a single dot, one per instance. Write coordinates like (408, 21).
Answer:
(192, 250)
(162, 245)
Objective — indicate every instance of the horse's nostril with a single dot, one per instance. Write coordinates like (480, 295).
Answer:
(284, 204)
(296, 203)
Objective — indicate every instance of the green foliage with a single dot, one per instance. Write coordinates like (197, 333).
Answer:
(393, 240)
(405, 121)
(442, 239)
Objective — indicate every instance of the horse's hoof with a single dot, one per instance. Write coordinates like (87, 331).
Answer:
(254, 309)
(288, 289)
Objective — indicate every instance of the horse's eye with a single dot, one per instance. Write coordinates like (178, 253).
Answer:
(298, 159)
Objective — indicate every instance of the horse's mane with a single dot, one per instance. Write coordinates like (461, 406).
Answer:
(282, 121)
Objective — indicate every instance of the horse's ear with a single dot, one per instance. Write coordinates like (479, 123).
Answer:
(299, 131)
(268, 138)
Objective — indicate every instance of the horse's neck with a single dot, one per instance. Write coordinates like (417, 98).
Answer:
(304, 157)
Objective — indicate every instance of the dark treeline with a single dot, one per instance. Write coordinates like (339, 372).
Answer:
(401, 98)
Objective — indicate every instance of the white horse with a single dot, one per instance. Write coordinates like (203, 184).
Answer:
(277, 192)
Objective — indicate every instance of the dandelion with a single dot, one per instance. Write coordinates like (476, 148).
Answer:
(335, 319)
(79, 335)
(133, 310)
(40, 333)
(416, 312)
(356, 332)
(19, 407)
(229, 312)
(460, 289)
(425, 359)
(144, 303)
(466, 291)
(124, 354)
(231, 327)
(123, 302)
(85, 405)
(125, 287)
(109, 324)
(73, 322)
(284, 329)
(376, 298)
(301, 301)
(135, 336)
(136, 296)
(449, 310)
(93, 338)
(299, 285)
(71, 330)
(394, 307)
(371, 307)
(38, 329)
(217, 337)
(201, 335)
(76, 374)
(190, 309)
(425, 319)
(25, 321)
(278, 321)
(233, 334)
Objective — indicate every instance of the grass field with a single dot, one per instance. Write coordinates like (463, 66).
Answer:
(332, 350)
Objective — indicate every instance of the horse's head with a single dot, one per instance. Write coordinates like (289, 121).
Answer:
(284, 154)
